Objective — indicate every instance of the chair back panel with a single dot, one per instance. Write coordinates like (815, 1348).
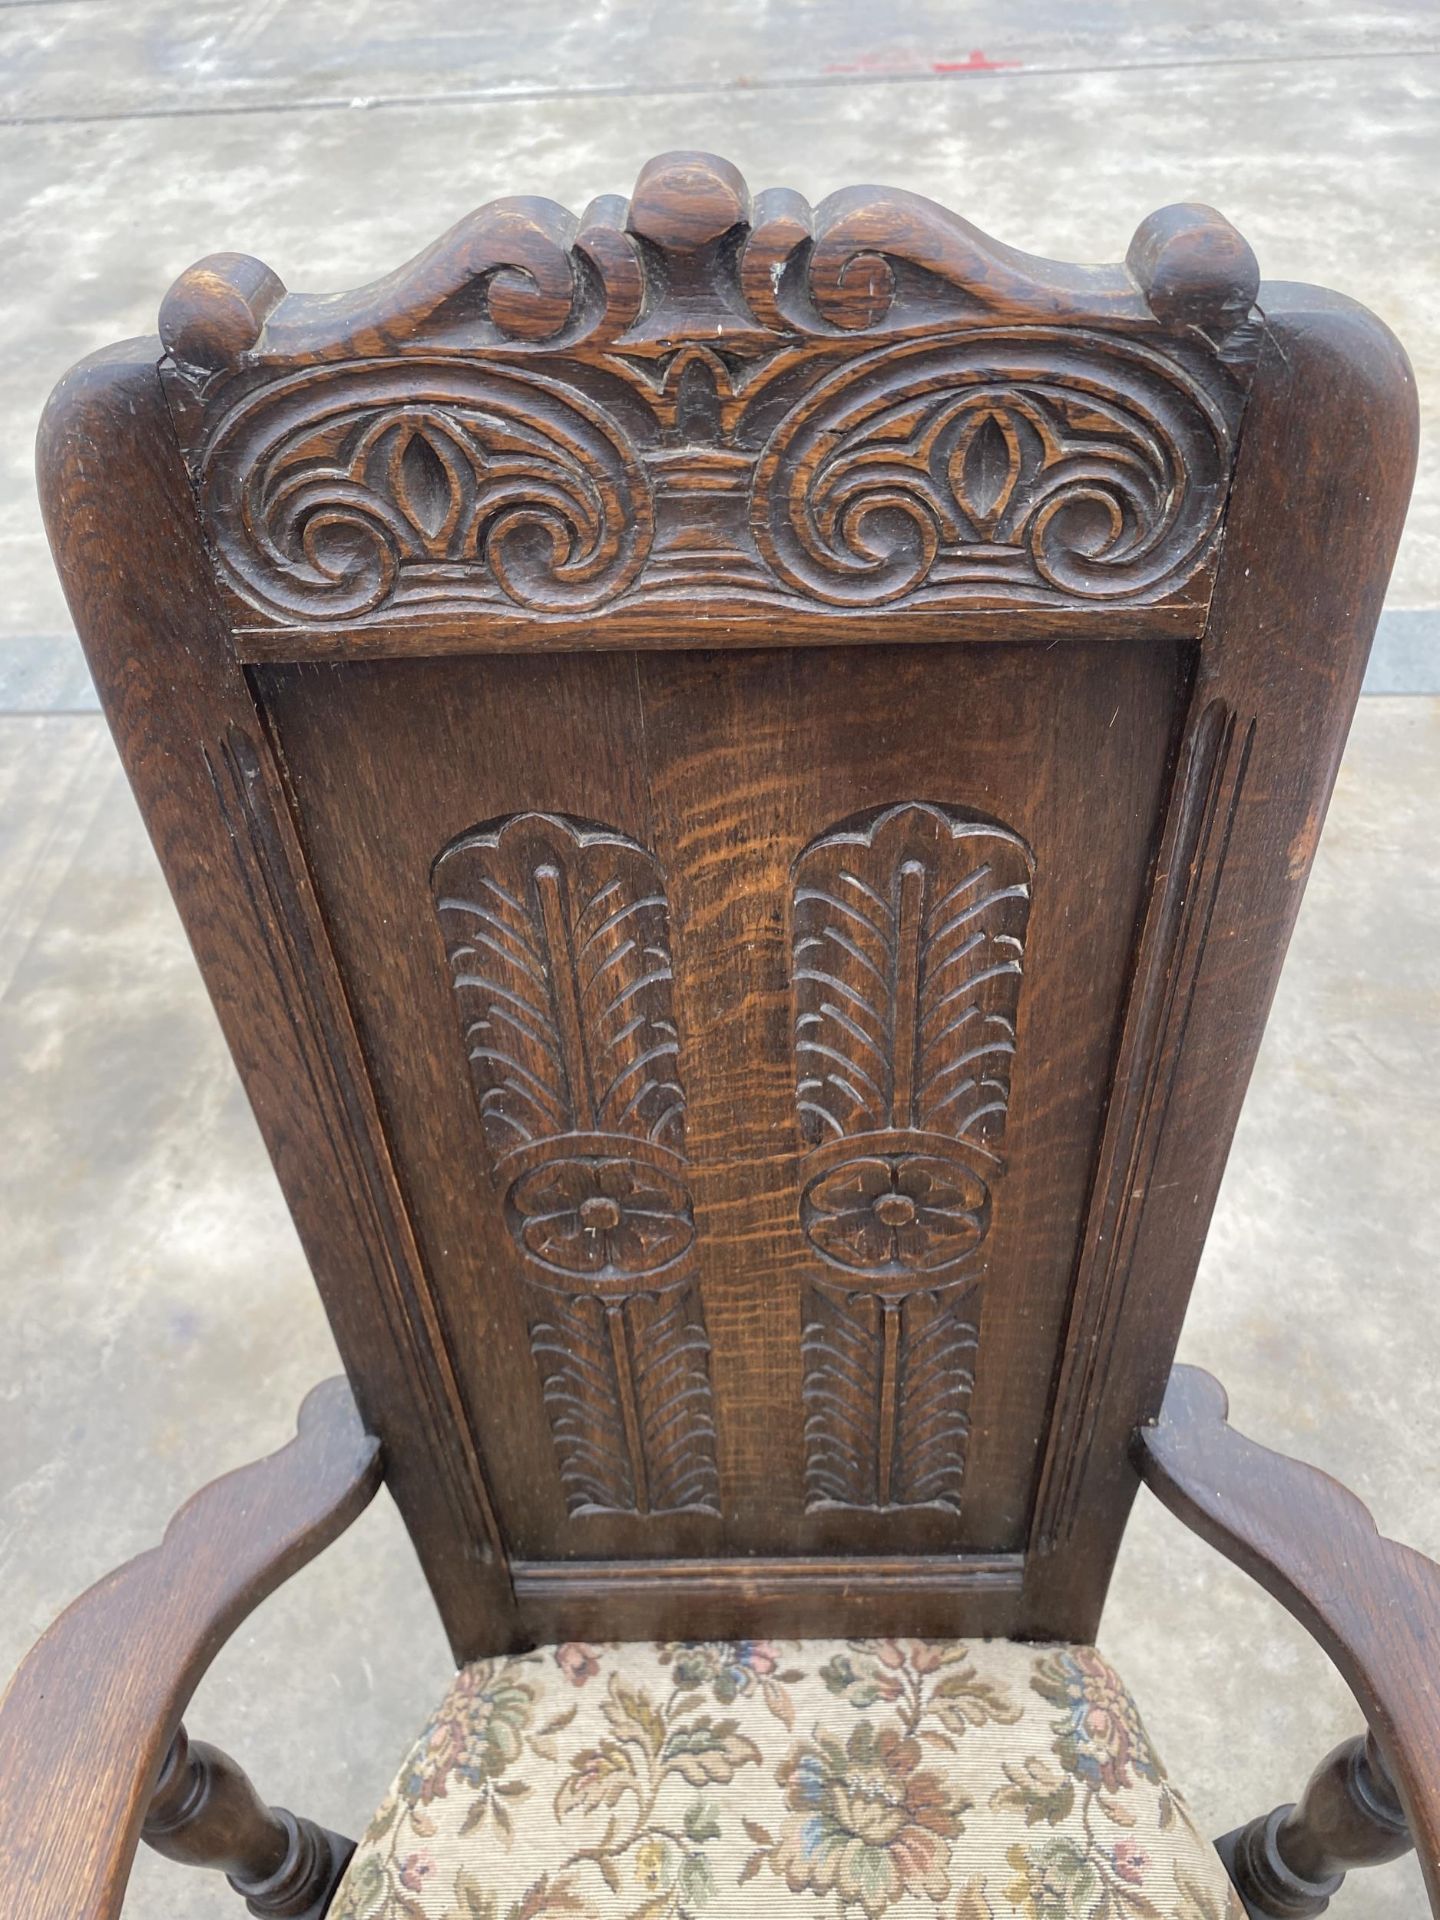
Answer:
(786, 1059)
(740, 771)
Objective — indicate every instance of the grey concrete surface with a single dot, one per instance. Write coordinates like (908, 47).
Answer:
(160, 1325)
(74, 59)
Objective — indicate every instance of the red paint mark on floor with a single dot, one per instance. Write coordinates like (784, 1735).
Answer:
(893, 63)
(977, 63)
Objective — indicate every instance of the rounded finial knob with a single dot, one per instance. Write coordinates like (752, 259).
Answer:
(687, 200)
(1193, 268)
(217, 309)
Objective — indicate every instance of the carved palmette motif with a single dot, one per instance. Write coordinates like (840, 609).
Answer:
(696, 395)
(887, 1395)
(557, 934)
(909, 943)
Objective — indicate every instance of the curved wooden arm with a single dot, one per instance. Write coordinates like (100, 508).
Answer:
(88, 1718)
(1371, 1603)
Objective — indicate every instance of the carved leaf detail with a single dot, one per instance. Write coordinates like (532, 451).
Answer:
(936, 1374)
(425, 484)
(985, 467)
(909, 944)
(557, 935)
(627, 1390)
(558, 939)
(887, 1397)
(571, 1343)
(842, 1348)
(673, 1401)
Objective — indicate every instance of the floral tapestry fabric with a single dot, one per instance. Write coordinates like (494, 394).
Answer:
(786, 1780)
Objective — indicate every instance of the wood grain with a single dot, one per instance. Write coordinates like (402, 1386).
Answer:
(121, 521)
(89, 1716)
(1319, 497)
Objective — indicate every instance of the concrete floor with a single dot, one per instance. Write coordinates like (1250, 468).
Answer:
(161, 1325)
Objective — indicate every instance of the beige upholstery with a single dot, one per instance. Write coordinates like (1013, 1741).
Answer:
(931, 1780)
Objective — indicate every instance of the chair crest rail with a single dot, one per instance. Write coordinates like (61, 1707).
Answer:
(698, 398)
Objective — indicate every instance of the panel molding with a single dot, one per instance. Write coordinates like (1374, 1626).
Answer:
(270, 871)
(807, 1596)
(1210, 784)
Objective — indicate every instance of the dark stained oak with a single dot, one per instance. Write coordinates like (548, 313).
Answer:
(704, 406)
(88, 1719)
(139, 586)
(739, 775)
(205, 1813)
(1287, 1865)
(1371, 1603)
(1275, 685)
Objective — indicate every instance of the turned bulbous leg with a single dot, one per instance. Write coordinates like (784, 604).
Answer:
(1289, 1864)
(205, 1813)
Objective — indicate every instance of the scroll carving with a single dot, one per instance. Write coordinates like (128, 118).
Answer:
(909, 942)
(858, 404)
(402, 485)
(557, 933)
(1035, 464)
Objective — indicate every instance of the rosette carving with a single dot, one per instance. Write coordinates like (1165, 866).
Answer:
(896, 1214)
(909, 942)
(600, 1218)
(1036, 466)
(557, 935)
(387, 485)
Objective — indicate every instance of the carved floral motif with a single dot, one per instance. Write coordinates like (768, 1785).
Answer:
(607, 1218)
(909, 940)
(895, 1215)
(557, 934)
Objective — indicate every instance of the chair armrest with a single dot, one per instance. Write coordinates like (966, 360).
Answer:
(1371, 1603)
(87, 1720)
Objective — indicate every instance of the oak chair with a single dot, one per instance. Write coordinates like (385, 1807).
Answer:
(739, 775)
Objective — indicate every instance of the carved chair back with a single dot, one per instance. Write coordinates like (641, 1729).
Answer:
(740, 775)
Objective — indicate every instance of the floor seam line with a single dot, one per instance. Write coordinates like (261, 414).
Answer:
(624, 91)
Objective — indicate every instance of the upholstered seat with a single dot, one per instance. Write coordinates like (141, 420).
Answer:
(963, 1779)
